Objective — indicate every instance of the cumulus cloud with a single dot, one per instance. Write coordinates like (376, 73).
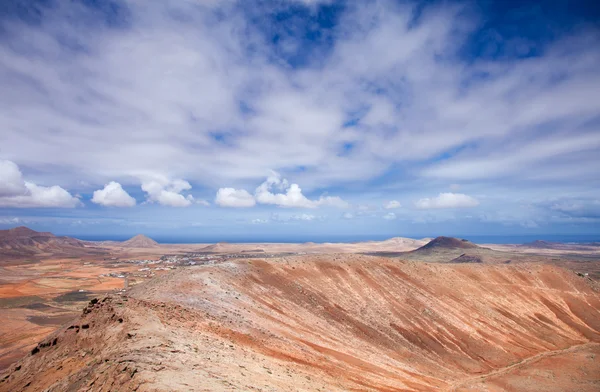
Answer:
(275, 190)
(447, 200)
(167, 193)
(348, 215)
(11, 183)
(392, 204)
(113, 195)
(230, 197)
(390, 216)
(291, 195)
(17, 193)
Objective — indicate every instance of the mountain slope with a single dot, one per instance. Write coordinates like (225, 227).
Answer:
(22, 241)
(331, 323)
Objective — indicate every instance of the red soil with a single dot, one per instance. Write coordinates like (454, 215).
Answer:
(337, 322)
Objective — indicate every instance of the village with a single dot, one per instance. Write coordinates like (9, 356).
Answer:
(153, 267)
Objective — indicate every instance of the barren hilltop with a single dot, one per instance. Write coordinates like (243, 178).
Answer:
(139, 241)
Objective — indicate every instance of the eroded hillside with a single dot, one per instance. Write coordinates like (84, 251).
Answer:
(335, 322)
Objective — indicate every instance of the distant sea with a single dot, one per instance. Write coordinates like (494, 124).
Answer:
(478, 239)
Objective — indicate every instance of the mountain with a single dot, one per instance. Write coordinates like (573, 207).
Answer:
(447, 243)
(22, 242)
(219, 247)
(329, 323)
(140, 241)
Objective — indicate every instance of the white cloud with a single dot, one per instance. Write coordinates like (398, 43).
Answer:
(348, 215)
(167, 193)
(113, 195)
(11, 180)
(205, 111)
(202, 202)
(275, 217)
(10, 221)
(392, 204)
(42, 196)
(390, 216)
(447, 200)
(366, 207)
(17, 193)
(258, 221)
(303, 217)
(293, 196)
(230, 197)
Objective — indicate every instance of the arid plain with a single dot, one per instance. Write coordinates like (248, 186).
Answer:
(395, 315)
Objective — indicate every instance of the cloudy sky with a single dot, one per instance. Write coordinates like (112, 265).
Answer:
(307, 119)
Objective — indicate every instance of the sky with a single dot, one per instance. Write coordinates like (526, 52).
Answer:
(300, 119)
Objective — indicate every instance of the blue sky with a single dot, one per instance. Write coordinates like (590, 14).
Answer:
(289, 119)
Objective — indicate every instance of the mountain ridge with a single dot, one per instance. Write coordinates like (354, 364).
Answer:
(22, 242)
(280, 324)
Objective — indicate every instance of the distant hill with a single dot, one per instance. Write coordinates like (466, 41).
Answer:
(223, 247)
(547, 245)
(140, 241)
(22, 241)
(403, 243)
(541, 244)
(447, 243)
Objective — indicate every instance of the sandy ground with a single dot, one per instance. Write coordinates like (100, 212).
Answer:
(40, 280)
(331, 323)
(38, 296)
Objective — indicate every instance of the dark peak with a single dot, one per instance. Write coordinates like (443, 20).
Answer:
(449, 243)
